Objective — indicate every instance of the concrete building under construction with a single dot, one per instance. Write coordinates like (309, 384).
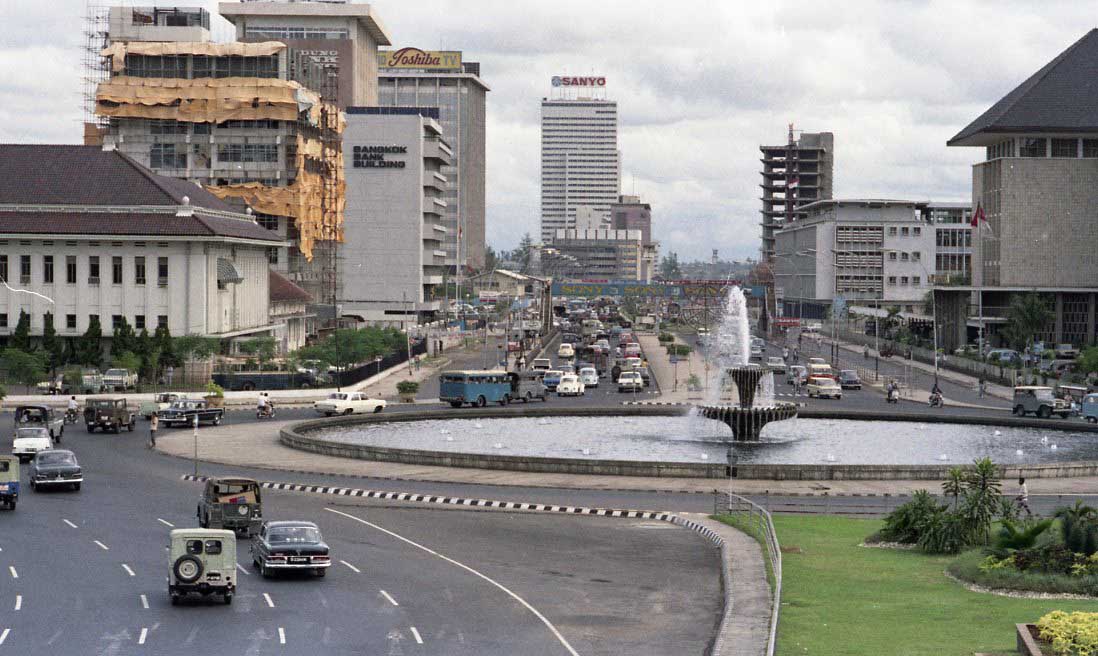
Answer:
(795, 173)
(233, 118)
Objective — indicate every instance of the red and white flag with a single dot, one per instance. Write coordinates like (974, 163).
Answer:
(978, 218)
(793, 182)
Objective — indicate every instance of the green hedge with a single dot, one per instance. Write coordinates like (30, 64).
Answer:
(678, 349)
(967, 568)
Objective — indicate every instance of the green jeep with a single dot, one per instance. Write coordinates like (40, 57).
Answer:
(108, 415)
(231, 503)
(202, 561)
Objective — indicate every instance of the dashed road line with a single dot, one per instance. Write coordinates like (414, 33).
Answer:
(128, 570)
(14, 574)
(267, 598)
(70, 523)
(544, 620)
(352, 567)
(18, 602)
(101, 545)
(144, 602)
(4, 635)
(165, 522)
(390, 598)
(281, 636)
(415, 634)
(144, 634)
(243, 571)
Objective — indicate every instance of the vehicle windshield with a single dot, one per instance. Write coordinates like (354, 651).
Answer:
(56, 458)
(33, 432)
(293, 535)
(116, 372)
(1043, 394)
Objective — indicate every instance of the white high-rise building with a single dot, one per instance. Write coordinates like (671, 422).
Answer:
(580, 160)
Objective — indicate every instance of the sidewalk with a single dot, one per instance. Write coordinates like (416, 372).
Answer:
(659, 362)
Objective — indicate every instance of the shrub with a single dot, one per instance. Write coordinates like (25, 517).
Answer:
(1020, 536)
(1000, 574)
(407, 387)
(946, 533)
(213, 389)
(666, 337)
(1070, 633)
(1079, 528)
(678, 349)
(905, 524)
(1049, 559)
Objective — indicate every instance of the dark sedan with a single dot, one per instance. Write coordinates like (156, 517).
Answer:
(284, 545)
(848, 379)
(55, 467)
(183, 412)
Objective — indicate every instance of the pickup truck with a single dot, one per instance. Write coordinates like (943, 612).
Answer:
(119, 380)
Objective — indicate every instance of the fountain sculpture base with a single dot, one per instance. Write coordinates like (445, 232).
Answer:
(747, 423)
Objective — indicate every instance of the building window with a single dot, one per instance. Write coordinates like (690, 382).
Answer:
(162, 271)
(1090, 148)
(903, 232)
(116, 270)
(1065, 147)
(247, 153)
(70, 269)
(915, 280)
(903, 256)
(903, 280)
(24, 269)
(272, 255)
(116, 321)
(917, 232)
(47, 269)
(139, 270)
(892, 256)
(1031, 147)
(163, 156)
(3, 320)
(4, 268)
(267, 221)
(892, 280)
(917, 256)
(93, 270)
(139, 322)
(892, 231)
(162, 321)
(70, 322)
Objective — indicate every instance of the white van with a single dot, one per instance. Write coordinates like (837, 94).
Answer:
(542, 364)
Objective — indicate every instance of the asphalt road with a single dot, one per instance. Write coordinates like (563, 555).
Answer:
(84, 572)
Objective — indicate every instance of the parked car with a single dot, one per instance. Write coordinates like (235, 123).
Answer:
(119, 380)
(1003, 356)
(796, 372)
(1066, 352)
(201, 561)
(1039, 401)
(290, 546)
(630, 381)
(848, 379)
(9, 481)
(184, 411)
(55, 467)
(349, 403)
(108, 415)
(589, 377)
(816, 361)
(230, 503)
(29, 441)
(54, 386)
(41, 415)
(552, 379)
(569, 385)
(967, 350)
(1089, 408)
(824, 387)
(777, 365)
(1057, 368)
(161, 401)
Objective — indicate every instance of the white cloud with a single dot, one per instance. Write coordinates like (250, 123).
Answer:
(700, 84)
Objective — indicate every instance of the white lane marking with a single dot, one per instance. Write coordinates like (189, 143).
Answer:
(389, 597)
(144, 602)
(18, 602)
(415, 634)
(242, 570)
(4, 635)
(165, 523)
(14, 574)
(144, 634)
(101, 545)
(128, 570)
(472, 571)
(69, 523)
(353, 568)
(267, 598)
(281, 636)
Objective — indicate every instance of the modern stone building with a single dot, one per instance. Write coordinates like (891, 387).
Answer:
(393, 256)
(606, 254)
(95, 235)
(410, 77)
(794, 174)
(1038, 189)
(630, 213)
(580, 160)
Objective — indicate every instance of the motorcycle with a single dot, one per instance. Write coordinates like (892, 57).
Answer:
(265, 413)
(70, 416)
(936, 401)
(893, 396)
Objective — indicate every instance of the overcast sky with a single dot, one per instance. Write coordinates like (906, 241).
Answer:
(700, 85)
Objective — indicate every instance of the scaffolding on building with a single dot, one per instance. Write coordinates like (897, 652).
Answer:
(94, 69)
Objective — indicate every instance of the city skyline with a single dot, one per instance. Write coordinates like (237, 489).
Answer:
(893, 85)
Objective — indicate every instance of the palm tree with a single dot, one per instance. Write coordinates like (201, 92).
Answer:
(1079, 527)
(954, 484)
(982, 496)
(1028, 314)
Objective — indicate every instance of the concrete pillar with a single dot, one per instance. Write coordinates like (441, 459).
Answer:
(1091, 298)
(1058, 332)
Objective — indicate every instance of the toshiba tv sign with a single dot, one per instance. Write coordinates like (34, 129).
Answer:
(569, 81)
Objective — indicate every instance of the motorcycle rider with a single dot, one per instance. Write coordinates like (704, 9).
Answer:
(73, 407)
(261, 404)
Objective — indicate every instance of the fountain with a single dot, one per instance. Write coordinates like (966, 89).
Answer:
(746, 418)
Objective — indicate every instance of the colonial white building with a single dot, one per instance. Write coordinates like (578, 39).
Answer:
(90, 233)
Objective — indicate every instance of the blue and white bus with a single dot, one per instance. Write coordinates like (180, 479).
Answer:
(477, 388)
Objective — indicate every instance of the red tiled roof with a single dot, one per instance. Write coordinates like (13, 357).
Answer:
(283, 290)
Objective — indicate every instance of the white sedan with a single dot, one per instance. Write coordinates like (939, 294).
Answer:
(569, 385)
(348, 403)
(589, 376)
(29, 441)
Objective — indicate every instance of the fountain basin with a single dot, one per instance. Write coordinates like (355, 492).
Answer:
(747, 422)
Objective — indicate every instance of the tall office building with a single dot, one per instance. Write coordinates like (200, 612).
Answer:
(795, 173)
(580, 160)
(410, 77)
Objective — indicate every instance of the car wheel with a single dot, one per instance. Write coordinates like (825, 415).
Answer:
(505, 400)
(455, 404)
(263, 570)
(227, 598)
(320, 572)
(33, 486)
(481, 401)
(1044, 412)
(328, 414)
(175, 599)
(248, 386)
(1093, 420)
(348, 411)
(377, 410)
(1019, 411)
(90, 427)
(187, 568)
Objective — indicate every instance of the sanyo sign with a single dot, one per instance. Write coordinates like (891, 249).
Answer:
(567, 81)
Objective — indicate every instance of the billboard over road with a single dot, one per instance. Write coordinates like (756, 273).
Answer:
(681, 290)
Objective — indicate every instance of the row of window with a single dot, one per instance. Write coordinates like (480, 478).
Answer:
(1061, 147)
(904, 280)
(139, 269)
(905, 231)
(954, 238)
(279, 33)
(167, 126)
(915, 256)
(140, 321)
(201, 66)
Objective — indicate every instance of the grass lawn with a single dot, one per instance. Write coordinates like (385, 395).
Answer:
(839, 598)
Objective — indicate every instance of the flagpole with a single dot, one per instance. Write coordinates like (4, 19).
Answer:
(976, 219)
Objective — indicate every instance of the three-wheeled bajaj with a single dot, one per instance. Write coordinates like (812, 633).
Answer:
(9, 481)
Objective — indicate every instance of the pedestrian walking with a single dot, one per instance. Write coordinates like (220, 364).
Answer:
(154, 424)
(1023, 497)
(980, 388)
(168, 373)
